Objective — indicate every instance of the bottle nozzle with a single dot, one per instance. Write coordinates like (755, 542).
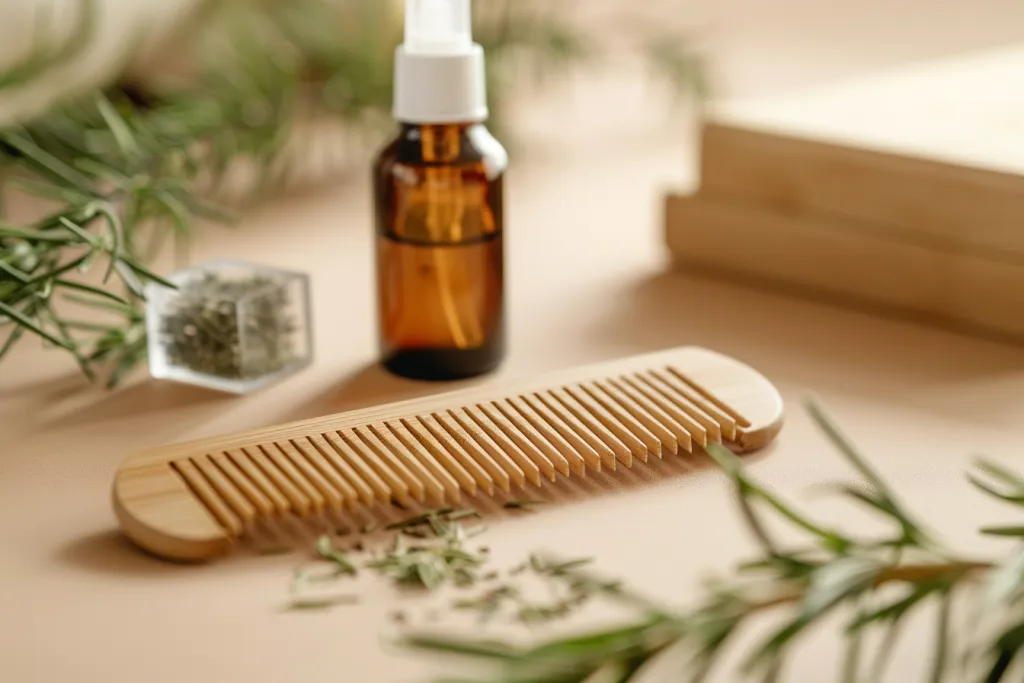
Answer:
(439, 70)
(438, 26)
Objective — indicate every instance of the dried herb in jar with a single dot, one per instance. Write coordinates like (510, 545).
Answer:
(235, 328)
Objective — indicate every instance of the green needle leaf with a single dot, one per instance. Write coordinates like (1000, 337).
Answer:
(49, 191)
(12, 339)
(31, 325)
(611, 642)
(146, 273)
(78, 231)
(118, 127)
(1012, 531)
(1006, 582)
(115, 230)
(996, 471)
(886, 500)
(33, 235)
(49, 163)
(325, 549)
(320, 603)
(845, 446)
(852, 656)
(837, 581)
(941, 639)
(754, 523)
(474, 648)
(894, 611)
(734, 468)
(1004, 659)
(1015, 498)
(884, 653)
(1006, 650)
(116, 303)
(14, 272)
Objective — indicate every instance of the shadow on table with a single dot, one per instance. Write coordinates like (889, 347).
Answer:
(110, 552)
(147, 396)
(820, 346)
(369, 386)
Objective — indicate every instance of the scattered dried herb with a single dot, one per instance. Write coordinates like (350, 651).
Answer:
(433, 563)
(416, 533)
(562, 568)
(536, 613)
(326, 550)
(432, 518)
(573, 590)
(489, 604)
(429, 550)
(320, 603)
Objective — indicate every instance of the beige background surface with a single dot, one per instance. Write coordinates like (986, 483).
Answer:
(76, 603)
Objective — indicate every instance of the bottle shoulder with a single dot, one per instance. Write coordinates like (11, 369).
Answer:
(470, 146)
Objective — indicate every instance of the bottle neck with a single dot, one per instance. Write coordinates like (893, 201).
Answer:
(437, 143)
(440, 88)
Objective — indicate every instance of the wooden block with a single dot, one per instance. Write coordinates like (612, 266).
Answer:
(933, 151)
(847, 263)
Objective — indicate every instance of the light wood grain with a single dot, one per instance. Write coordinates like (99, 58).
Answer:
(931, 151)
(933, 203)
(821, 257)
(435, 449)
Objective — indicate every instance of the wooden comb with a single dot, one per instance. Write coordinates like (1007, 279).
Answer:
(194, 501)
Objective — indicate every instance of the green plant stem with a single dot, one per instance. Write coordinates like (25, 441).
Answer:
(802, 587)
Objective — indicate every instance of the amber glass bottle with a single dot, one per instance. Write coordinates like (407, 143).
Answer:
(440, 252)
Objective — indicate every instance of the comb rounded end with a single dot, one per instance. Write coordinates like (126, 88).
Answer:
(158, 512)
(743, 392)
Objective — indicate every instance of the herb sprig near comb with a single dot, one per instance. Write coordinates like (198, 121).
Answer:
(874, 585)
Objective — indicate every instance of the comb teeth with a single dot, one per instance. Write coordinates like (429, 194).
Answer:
(441, 450)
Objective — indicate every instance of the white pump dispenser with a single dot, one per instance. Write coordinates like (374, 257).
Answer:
(439, 70)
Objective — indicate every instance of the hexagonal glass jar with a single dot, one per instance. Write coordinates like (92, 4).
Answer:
(229, 326)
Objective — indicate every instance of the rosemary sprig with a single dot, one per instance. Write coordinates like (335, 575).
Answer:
(879, 582)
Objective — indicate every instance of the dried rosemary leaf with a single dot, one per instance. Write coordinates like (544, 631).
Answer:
(325, 549)
(433, 519)
(320, 603)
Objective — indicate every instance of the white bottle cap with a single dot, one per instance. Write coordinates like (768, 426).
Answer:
(439, 70)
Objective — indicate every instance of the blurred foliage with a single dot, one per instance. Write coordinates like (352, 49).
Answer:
(126, 167)
(868, 589)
